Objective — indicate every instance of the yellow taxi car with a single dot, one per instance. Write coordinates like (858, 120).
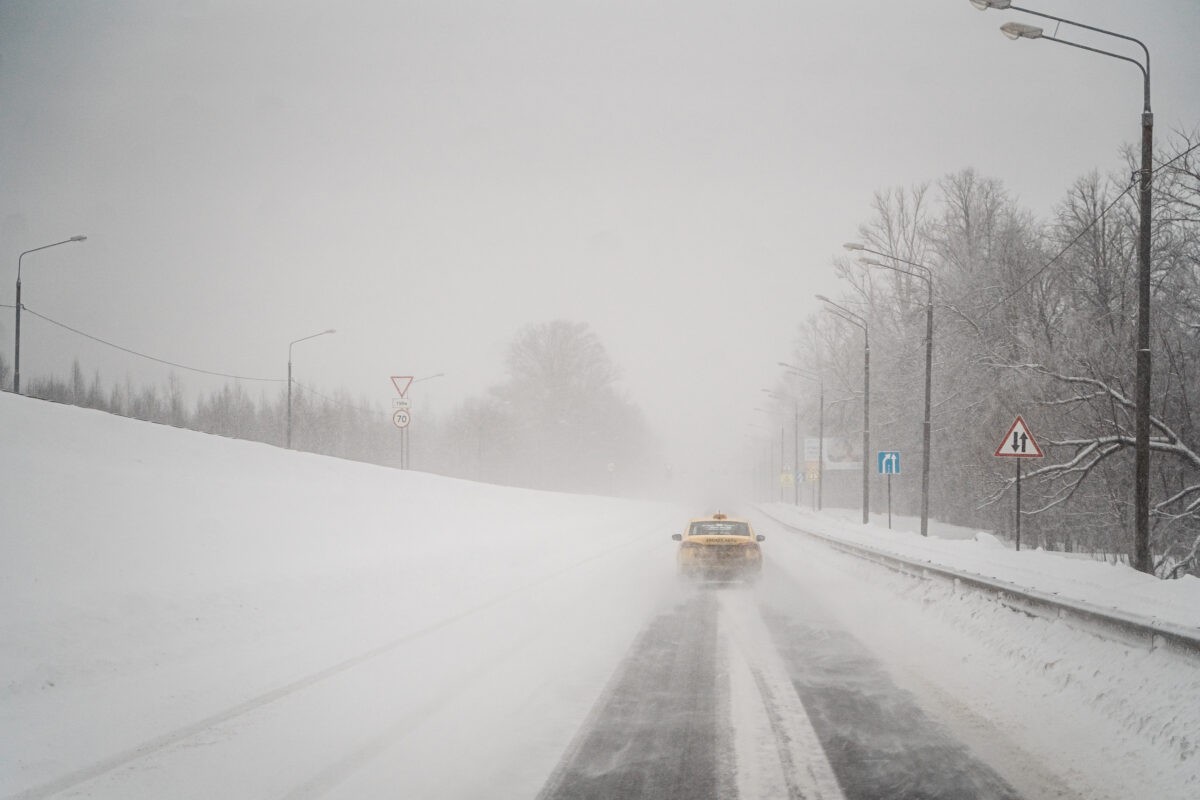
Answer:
(718, 547)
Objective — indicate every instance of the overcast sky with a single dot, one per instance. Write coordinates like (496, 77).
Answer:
(428, 177)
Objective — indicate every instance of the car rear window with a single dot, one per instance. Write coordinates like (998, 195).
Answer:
(719, 528)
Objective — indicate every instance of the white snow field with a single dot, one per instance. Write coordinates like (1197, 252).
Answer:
(184, 615)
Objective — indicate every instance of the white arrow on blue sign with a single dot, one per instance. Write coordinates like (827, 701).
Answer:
(889, 462)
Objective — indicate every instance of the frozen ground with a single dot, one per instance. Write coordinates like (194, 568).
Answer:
(191, 616)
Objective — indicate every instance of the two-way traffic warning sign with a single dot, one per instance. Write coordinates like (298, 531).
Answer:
(1019, 442)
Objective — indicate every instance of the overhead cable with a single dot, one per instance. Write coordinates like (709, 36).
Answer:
(78, 332)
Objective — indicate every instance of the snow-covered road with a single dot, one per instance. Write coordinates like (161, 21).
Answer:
(761, 692)
(190, 616)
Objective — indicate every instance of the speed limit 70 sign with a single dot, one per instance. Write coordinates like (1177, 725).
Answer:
(401, 418)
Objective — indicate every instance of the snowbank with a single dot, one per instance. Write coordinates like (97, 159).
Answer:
(154, 579)
(1099, 583)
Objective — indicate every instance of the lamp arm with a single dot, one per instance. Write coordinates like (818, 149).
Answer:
(1085, 26)
(928, 271)
(1134, 61)
(1145, 50)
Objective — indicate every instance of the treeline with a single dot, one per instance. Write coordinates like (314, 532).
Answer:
(557, 422)
(336, 426)
(1033, 317)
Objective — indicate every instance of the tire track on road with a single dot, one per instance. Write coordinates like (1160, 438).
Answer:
(653, 733)
(879, 741)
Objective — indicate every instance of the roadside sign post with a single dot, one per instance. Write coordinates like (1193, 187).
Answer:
(812, 470)
(402, 413)
(814, 458)
(888, 462)
(1018, 443)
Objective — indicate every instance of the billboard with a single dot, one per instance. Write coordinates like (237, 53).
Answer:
(839, 453)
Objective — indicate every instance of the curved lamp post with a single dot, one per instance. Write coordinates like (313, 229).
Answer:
(1142, 558)
(923, 273)
(854, 319)
(17, 326)
(812, 376)
(289, 414)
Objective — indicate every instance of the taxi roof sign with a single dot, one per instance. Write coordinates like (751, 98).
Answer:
(1019, 442)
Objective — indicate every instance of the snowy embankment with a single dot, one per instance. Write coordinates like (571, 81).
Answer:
(163, 588)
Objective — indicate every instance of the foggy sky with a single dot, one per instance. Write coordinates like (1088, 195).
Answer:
(428, 177)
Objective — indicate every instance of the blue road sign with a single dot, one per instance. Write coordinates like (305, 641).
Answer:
(889, 462)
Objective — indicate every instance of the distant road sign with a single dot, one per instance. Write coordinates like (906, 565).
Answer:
(402, 382)
(401, 418)
(1019, 442)
(401, 402)
(889, 462)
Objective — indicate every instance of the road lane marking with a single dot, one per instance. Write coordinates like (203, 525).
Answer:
(771, 714)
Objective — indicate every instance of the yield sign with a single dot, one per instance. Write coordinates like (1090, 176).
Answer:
(1019, 443)
(402, 382)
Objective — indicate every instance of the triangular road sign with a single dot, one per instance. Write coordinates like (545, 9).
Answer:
(402, 382)
(1019, 442)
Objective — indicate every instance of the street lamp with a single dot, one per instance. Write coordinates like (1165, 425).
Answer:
(17, 326)
(923, 273)
(795, 442)
(289, 414)
(782, 434)
(808, 375)
(1141, 545)
(854, 319)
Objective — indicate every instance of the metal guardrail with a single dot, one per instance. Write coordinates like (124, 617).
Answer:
(1111, 624)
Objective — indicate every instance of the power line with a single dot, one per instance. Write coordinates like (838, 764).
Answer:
(1095, 221)
(144, 355)
(1060, 253)
(184, 366)
(1176, 158)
